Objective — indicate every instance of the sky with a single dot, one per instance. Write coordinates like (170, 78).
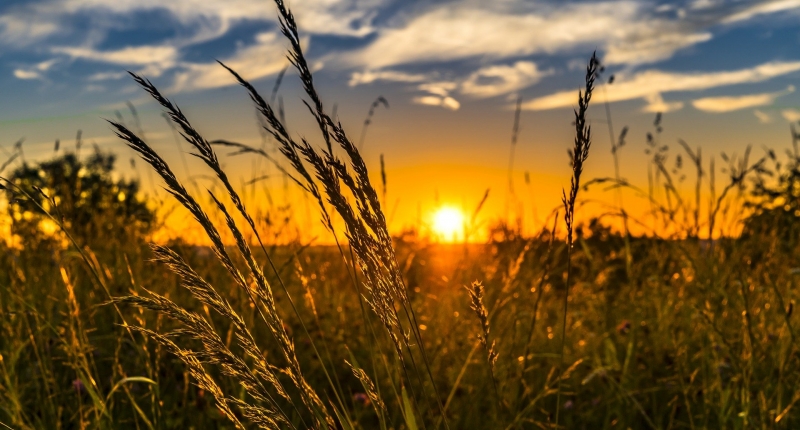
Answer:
(722, 72)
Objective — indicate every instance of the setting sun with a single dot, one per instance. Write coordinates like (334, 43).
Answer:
(448, 224)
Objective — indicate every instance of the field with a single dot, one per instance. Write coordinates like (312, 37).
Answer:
(582, 325)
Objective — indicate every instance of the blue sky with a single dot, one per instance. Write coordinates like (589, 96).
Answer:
(723, 72)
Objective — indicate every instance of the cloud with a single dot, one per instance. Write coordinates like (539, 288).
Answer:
(433, 100)
(24, 29)
(370, 76)
(152, 61)
(487, 81)
(262, 59)
(627, 32)
(791, 115)
(651, 44)
(763, 117)
(106, 76)
(345, 17)
(732, 103)
(647, 84)
(441, 88)
(133, 55)
(656, 103)
(438, 94)
(27, 74)
(763, 8)
(36, 71)
(52, 27)
(502, 79)
(196, 21)
(704, 4)
(626, 29)
(501, 36)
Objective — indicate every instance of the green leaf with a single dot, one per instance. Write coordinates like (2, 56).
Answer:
(611, 359)
(628, 359)
(123, 381)
(346, 425)
(408, 411)
(117, 386)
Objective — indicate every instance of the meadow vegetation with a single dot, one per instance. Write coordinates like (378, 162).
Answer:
(580, 325)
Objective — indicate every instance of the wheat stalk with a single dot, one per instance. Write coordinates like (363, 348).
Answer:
(260, 294)
(365, 223)
(580, 152)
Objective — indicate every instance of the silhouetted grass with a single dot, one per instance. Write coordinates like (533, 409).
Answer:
(666, 330)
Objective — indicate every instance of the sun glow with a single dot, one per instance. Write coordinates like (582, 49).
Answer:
(448, 224)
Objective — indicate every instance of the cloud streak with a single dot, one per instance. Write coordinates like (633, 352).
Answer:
(762, 8)
(133, 55)
(652, 83)
(446, 102)
(50, 25)
(24, 29)
(493, 48)
(733, 103)
(262, 59)
(345, 17)
(763, 117)
(35, 72)
(791, 115)
(370, 76)
(502, 79)
(630, 34)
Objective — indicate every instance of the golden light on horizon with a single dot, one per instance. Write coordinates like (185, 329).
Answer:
(448, 224)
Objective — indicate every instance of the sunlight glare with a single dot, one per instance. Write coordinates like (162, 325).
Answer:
(448, 224)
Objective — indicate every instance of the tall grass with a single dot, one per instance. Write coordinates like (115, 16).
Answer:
(580, 152)
(368, 238)
(376, 331)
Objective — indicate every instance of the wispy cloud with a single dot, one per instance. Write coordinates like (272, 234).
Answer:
(494, 47)
(647, 84)
(704, 4)
(133, 55)
(149, 60)
(628, 31)
(24, 29)
(106, 76)
(264, 58)
(446, 102)
(345, 17)
(502, 79)
(27, 74)
(51, 26)
(439, 88)
(370, 76)
(763, 117)
(791, 115)
(732, 103)
(36, 71)
(438, 94)
(761, 8)
(488, 81)
(656, 103)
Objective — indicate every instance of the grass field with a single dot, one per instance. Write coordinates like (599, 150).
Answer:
(578, 326)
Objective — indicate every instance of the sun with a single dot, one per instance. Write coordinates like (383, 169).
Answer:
(448, 224)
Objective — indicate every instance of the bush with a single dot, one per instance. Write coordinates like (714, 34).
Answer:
(92, 205)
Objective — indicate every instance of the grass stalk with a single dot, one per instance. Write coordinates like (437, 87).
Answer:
(580, 153)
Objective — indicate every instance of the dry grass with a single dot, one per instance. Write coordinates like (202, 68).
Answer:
(655, 332)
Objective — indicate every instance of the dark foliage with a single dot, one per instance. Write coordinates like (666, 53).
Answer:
(94, 206)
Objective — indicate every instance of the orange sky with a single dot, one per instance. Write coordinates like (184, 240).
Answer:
(434, 158)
